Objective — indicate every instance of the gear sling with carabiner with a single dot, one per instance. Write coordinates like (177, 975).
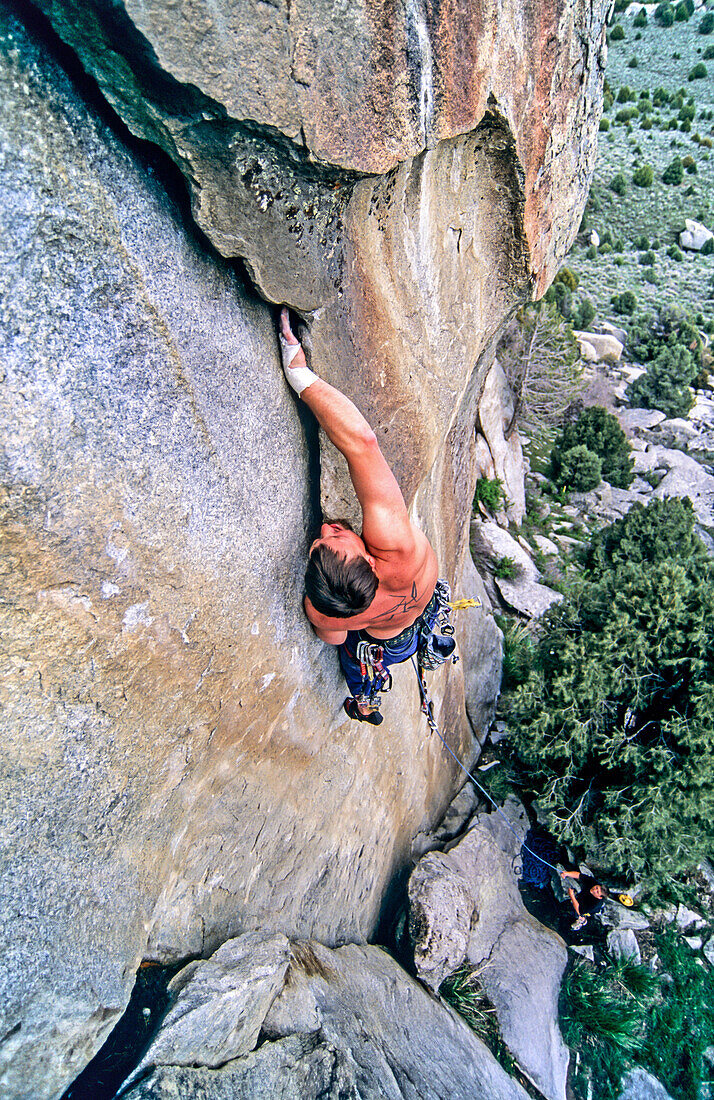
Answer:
(365, 660)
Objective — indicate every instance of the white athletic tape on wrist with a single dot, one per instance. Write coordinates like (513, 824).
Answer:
(298, 377)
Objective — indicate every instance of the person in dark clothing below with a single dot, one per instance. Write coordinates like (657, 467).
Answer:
(589, 899)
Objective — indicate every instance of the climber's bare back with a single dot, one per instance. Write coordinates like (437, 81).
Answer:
(407, 576)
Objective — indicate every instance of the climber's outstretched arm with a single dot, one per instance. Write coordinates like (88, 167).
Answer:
(386, 524)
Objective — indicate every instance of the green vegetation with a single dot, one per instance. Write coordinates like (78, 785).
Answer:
(698, 71)
(669, 344)
(579, 469)
(617, 33)
(643, 176)
(618, 184)
(681, 1025)
(598, 432)
(674, 172)
(603, 1014)
(664, 15)
(490, 492)
(640, 19)
(625, 302)
(506, 569)
(707, 24)
(614, 723)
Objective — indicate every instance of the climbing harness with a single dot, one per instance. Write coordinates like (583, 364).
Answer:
(428, 710)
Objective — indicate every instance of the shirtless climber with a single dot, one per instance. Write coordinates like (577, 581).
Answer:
(375, 591)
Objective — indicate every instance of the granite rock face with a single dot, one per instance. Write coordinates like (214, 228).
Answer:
(179, 769)
(376, 1033)
(465, 907)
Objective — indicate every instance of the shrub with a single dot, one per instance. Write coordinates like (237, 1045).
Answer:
(568, 277)
(675, 254)
(674, 172)
(541, 360)
(620, 6)
(617, 33)
(682, 13)
(708, 54)
(664, 15)
(707, 24)
(685, 126)
(604, 124)
(579, 469)
(584, 313)
(626, 114)
(626, 302)
(591, 253)
(505, 569)
(632, 63)
(707, 248)
(646, 124)
(687, 112)
(698, 71)
(647, 258)
(640, 19)
(666, 385)
(625, 94)
(603, 1014)
(650, 276)
(660, 97)
(614, 727)
(561, 296)
(643, 176)
(490, 492)
(598, 431)
(641, 243)
(662, 531)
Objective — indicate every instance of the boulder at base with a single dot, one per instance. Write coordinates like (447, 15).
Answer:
(465, 907)
(376, 1034)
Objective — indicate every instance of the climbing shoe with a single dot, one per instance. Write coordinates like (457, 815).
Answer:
(352, 711)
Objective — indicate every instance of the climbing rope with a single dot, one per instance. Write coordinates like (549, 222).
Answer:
(428, 711)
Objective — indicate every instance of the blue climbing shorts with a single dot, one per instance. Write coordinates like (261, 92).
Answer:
(396, 650)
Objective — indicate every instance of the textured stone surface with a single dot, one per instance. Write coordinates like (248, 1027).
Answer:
(504, 456)
(380, 1033)
(622, 944)
(220, 1003)
(465, 906)
(608, 349)
(179, 769)
(638, 1084)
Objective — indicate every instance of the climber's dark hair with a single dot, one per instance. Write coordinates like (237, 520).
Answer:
(338, 586)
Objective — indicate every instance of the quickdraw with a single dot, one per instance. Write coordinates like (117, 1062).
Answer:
(373, 672)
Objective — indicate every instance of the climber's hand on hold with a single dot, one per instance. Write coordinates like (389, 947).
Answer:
(297, 372)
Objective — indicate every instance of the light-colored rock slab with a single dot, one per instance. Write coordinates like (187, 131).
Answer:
(380, 1036)
(585, 950)
(622, 944)
(614, 915)
(528, 597)
(688, 918)
(546, 545)
(645, 462)
(632, 420)
(495, 411)
(220, 1003)
(614, 330)
(607, 348)
(709, 950)
(469, 896)
(638, 1084)
(694, 236)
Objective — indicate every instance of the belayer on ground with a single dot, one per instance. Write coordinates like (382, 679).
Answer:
(375, 595)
